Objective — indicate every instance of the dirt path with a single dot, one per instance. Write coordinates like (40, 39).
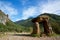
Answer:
(26, 37)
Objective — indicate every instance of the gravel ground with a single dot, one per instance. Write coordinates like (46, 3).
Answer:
(25, 37)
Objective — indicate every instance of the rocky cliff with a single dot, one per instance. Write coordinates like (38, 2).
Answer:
(3, 18)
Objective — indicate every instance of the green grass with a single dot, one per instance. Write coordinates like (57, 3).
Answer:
(35, 35)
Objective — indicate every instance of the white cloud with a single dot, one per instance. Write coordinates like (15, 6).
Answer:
(7, 8)
(18, 19)
(51, 7)
(30, 12)
(24, 1)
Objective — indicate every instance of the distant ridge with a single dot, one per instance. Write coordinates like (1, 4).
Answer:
(54, 20)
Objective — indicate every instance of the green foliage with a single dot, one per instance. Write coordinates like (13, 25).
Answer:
(54, 21)
(10, 27)
(26, 25)
(35, 35)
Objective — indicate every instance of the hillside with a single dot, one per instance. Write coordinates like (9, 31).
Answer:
(54, 21)
(6, 25)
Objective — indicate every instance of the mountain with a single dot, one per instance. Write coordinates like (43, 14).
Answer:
(54, 21)
(25, 23)
(6, 25)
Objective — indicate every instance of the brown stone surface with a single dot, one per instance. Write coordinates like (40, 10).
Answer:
(45, 20)
(36, 29)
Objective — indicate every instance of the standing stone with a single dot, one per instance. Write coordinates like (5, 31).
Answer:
(46, 25)
(36, 29)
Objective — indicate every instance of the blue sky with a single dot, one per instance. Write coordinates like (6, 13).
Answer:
(23, 9)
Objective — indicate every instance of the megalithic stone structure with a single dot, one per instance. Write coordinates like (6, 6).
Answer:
(36, 29)
(45, 20)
